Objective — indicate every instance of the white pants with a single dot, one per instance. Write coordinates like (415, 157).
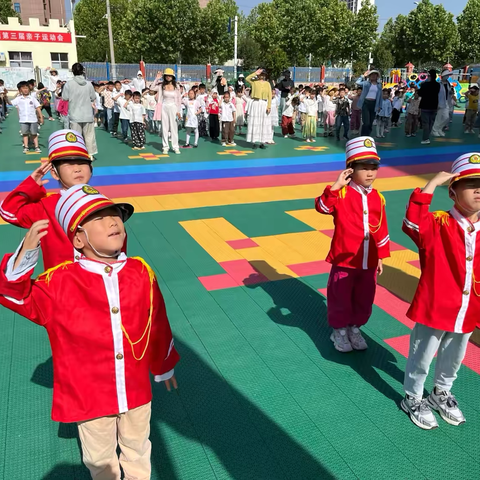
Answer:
(87, 129)
(441, 121)
(129, 430)
(424, 344)
(169, 124)
(191, 130)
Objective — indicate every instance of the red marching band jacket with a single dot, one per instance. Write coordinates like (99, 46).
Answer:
(108, 329)
(448, 294)
(361, 231)
(29, 203)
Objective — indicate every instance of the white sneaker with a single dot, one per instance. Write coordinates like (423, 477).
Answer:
(446, 405)
(233, 144)
(356, 339)
(177, 151)
(285, 136)
(425, 142)
(419, 412)
(165, 151)
(224, 144)
(340, 340)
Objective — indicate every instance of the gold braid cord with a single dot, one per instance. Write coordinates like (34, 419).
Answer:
(47, 276)
(148, 327)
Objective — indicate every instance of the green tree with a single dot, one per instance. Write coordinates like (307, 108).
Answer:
(160, 31)
(382, 56)
(468, 23)
(429, 34)
(364, 32)
(216, 43)
(89, 21)
(6, 10)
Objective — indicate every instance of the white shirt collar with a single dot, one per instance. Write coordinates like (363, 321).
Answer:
(464, 222)
(103, 268)
(359, 188)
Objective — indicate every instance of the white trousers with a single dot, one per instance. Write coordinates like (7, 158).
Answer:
(424, 344)
(441, 121)
(169, 124)
(87, 129)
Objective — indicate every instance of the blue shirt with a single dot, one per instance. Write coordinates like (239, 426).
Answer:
(385, 108)
(366, 84)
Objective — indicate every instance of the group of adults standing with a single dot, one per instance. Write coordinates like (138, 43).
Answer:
(434, 105)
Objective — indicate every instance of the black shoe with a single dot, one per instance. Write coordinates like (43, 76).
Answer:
(263, 146)
(254, 146)
(195, 146)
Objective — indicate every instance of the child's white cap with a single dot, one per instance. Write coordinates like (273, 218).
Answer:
(466, 165)
(362, 150)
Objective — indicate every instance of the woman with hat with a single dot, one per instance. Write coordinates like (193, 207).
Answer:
(261, 94)
(370, 99)
(240, 83)
(220, 82)
(168, 108)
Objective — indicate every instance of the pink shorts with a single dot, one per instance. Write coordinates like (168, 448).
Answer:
(350, 296)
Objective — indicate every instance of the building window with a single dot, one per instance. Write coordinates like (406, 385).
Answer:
(59, 60)
(21, 59)
(16, 7)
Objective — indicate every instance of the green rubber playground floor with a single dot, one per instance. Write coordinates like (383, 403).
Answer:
(262, 394)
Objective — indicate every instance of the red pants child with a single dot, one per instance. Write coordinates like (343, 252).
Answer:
(287, 125)
(350, 296)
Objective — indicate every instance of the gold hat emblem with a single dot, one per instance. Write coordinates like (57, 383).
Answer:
(475, 158)
(90, 190)
(70, 137)
(368, 143)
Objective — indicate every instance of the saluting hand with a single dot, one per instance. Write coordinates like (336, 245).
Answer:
(40, 172)
(343, 179)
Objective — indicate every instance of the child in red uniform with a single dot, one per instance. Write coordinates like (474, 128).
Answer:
(110, 332)
(359, 244)
(446, 306)
(69, 163)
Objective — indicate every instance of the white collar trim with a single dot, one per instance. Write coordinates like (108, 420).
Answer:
(463, 222)
(359, 188)
(100, 268)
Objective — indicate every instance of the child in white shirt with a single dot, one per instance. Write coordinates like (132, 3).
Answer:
(137, 121)
(227, 116)
(329, 109)
(30, 115)
(310, 125)
(272, 118)
(122, 100)
(150, 105)
(288, 116)
(320, 107)
(99, 120)
(194, 109)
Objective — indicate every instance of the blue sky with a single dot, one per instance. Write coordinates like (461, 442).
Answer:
(386, 8)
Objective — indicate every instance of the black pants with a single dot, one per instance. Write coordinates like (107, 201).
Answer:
(214, 126)
(368, 117)
(48, 109)
(138, 134)
(116, 119)
(428, 119)
(395, 116)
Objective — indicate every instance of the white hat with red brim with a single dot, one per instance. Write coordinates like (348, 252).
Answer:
(79, 202)
(362, 150)
(467, 166)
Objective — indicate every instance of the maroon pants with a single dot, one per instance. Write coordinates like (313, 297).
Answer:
(350, 296)
(287, 125)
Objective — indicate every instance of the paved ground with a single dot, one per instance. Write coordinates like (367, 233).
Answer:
(239, 253)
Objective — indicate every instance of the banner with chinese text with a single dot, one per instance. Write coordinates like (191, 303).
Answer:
(11, 35)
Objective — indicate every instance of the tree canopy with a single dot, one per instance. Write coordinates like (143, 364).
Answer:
(275, 34)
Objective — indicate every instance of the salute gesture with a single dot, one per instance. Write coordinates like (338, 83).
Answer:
(40, 172)
(343, 179)
(32, 239)
(439, 179)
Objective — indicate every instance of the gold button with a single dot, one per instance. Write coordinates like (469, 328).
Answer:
(108, 269)
(77, 257)
(115, 310)
(119, 356)
(469, 259)
(366, 238)
(365, 212)
(470, 229)
(466, 292)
